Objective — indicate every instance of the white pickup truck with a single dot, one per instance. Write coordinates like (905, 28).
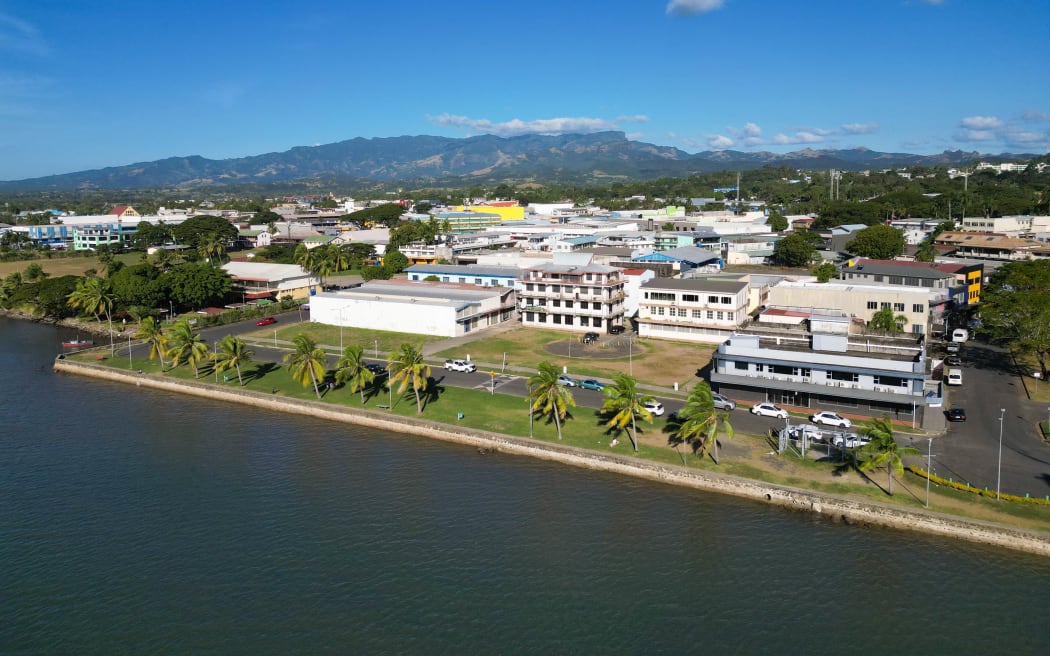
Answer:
(460, 365)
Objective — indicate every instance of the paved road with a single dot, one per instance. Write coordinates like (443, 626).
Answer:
(968, 452)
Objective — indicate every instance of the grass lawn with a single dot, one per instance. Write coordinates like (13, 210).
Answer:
(65, 266)
(370, 340)
(748, 456)
(653, 361)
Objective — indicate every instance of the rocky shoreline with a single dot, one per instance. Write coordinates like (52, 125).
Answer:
(836, 509)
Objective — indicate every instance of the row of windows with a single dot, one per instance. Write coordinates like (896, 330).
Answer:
(695, 314)
(917, 308)
(583, 305)
(805, 372)
(557, 289)
(688, 298)
(563, 320)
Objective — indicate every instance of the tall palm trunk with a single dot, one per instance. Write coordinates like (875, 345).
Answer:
(557, 421)
(634, 433)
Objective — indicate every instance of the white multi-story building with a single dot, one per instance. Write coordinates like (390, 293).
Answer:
(571, 293)
(1011, 226)
(858, 301)
(696, 309)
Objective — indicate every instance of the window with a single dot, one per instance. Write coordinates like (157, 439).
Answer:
(658, 311)
(721, 316)
(690, 298)
(568, 304)
(898, 307)
(661, 296)
(681, 312)
(843, 376)
(878, 278)
(477, 281)
(528, 287)
(712, 299)
(918, 308)
(896, 280)
(737, 364)
(557, 318)
(556, 304)
(530, 316)
(872, 305)
(883, 306)
(710, 314)
(730, 316)
(462, 279)
(727, 300)
(697, 314)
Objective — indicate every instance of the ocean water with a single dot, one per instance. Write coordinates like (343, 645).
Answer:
(140, 522)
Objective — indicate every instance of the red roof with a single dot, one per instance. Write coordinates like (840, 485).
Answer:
(119, 209)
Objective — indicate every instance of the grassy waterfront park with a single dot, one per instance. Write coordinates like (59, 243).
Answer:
(656, 365)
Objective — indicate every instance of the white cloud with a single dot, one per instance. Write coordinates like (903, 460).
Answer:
(19, 36)
(860, 128)
(1034, 116)
(800, 137)
(516, 127)
(975, 135)
(719, 142)
(1024, 137)
(981, 123)
(693, 7)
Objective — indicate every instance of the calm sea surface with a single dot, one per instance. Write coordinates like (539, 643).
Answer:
(140, 522)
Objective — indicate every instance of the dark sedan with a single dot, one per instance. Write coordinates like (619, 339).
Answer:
(956, 414)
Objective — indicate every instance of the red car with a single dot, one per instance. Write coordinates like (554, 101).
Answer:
(266, 321)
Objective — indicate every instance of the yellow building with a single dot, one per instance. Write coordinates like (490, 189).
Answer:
(506, 211)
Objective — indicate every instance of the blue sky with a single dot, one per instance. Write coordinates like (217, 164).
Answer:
(86, 85)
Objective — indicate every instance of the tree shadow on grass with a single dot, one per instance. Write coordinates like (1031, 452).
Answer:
(259, 372)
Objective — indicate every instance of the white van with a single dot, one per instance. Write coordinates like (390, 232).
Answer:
(959, 335)
(955, 376)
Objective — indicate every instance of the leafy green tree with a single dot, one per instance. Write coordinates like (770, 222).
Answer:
(94, 295)
(395, 262)
(407, 367)
(825, 271)
(212, 248)
(232, 353)
(926, 252)
(307, 362)
(882, 450)
(795, 250)
(698, 422)
(196, 229)
(196, 285)
(881, 242)
(547, 397)
(352, 371)
(884, 320)
(139, 284)
(777, 222)
(34, 273)
(151, 234)
(1015, 310)
(185, 345)
(151, 332)
(625, 405)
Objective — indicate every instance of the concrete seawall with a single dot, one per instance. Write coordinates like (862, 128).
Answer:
(838, 509)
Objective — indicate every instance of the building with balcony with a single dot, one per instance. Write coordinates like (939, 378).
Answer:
(269, 281)
(827, 363)
(695, 309)
(962, 282)
(90, 237)
(571, 293)
(426, 308)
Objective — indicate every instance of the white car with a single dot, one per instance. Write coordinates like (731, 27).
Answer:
(567, 381)
(654, 407)
(831, 419)
(809, 430)
(769, 410)
(849, 440)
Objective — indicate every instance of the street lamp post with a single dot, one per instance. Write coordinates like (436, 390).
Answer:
(929, 468)
(528, 400)
(130, 365)
(999, 467)
(630, 355)
(377, 348)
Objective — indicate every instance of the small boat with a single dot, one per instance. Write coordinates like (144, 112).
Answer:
(77, 343)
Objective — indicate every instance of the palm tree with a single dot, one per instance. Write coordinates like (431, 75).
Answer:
(699, 422)
(883, 449)
(211, 247)
(186, 345)
(408, 368)
(625, 406)
(150, 331)
(548, 397)
(307, 362)
(94, 295)
(231, 353)
(351, 370)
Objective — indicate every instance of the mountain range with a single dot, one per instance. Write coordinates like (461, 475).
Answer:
(597, 158)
